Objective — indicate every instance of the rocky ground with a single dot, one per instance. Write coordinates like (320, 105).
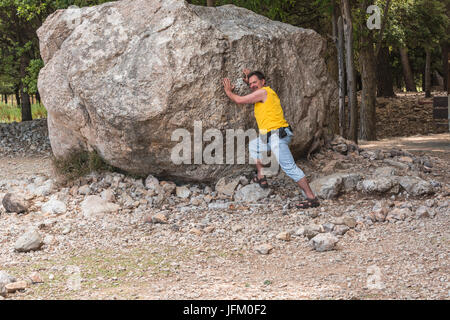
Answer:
(381, 232)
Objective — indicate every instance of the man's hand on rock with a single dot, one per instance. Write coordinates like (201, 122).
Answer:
(246, 72)
(227, 85)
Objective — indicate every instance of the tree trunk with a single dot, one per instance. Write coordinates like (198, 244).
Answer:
(367, 125)
(351, 84)
(38, 97)
(427, 73)
(407, 73)
(423, 81)
(340, 46)
(26, 107)
(385, 83)
(358, 81)
(17, 94)
(445, 47)
(210, 3)
(333, 69)
(368, 96)
(448, 73)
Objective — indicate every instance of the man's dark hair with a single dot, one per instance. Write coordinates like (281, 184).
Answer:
(259, 74)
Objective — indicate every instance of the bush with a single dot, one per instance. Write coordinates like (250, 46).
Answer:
(80, 163)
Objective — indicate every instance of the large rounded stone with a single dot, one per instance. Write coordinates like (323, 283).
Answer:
(30, 241)
(15, 203)
(324, 242)
(121, 77)
(251, 193)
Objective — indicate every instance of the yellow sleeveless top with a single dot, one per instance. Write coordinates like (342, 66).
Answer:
(269, 114)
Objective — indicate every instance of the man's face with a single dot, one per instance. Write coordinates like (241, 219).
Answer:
(255, 83)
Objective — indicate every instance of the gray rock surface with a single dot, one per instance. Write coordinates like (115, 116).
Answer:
(324, 242)
(3, 291)
(108, 195)
(330, 186)
(15, 203)
(251, 193)
(94, 206)
(29, 241)
(327, 187)
(54, 206)
(379, 185)
(385, 171)
(24, 138)
(397, 164)
(152, 184)
(182, 192)
(120, 77)
(264, 248)
(340, 230)
(311, 230)
(5, 278)
(398, 214)
(423, 212)
(416, 186)
(40, 189)
(226, 185)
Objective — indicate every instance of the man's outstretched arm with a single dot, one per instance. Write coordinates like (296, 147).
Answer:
(254, 97)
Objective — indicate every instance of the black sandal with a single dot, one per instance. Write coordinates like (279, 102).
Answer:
(308, 203)
(260, 181)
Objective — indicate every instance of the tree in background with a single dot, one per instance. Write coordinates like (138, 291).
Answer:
(18, 40)
(417, 26)
(346, 14)
(432, 20)
(338, 38)
(368, 46)
(19, 46)
(8, 74)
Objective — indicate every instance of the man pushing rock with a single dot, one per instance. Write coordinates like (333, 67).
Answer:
(275, 134)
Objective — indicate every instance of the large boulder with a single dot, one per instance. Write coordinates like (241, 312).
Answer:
(120, 77)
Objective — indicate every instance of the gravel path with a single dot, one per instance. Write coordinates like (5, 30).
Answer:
(198, 252)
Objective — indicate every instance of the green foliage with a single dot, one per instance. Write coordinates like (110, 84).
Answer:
(30, 80)
(20, 60)
(6, 84)
(417, 23)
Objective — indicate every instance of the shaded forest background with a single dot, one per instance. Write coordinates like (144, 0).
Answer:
(406, 52)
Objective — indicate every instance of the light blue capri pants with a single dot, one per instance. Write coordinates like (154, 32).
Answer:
(280, 148)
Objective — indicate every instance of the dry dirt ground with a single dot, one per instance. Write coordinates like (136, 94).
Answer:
(129, 260)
